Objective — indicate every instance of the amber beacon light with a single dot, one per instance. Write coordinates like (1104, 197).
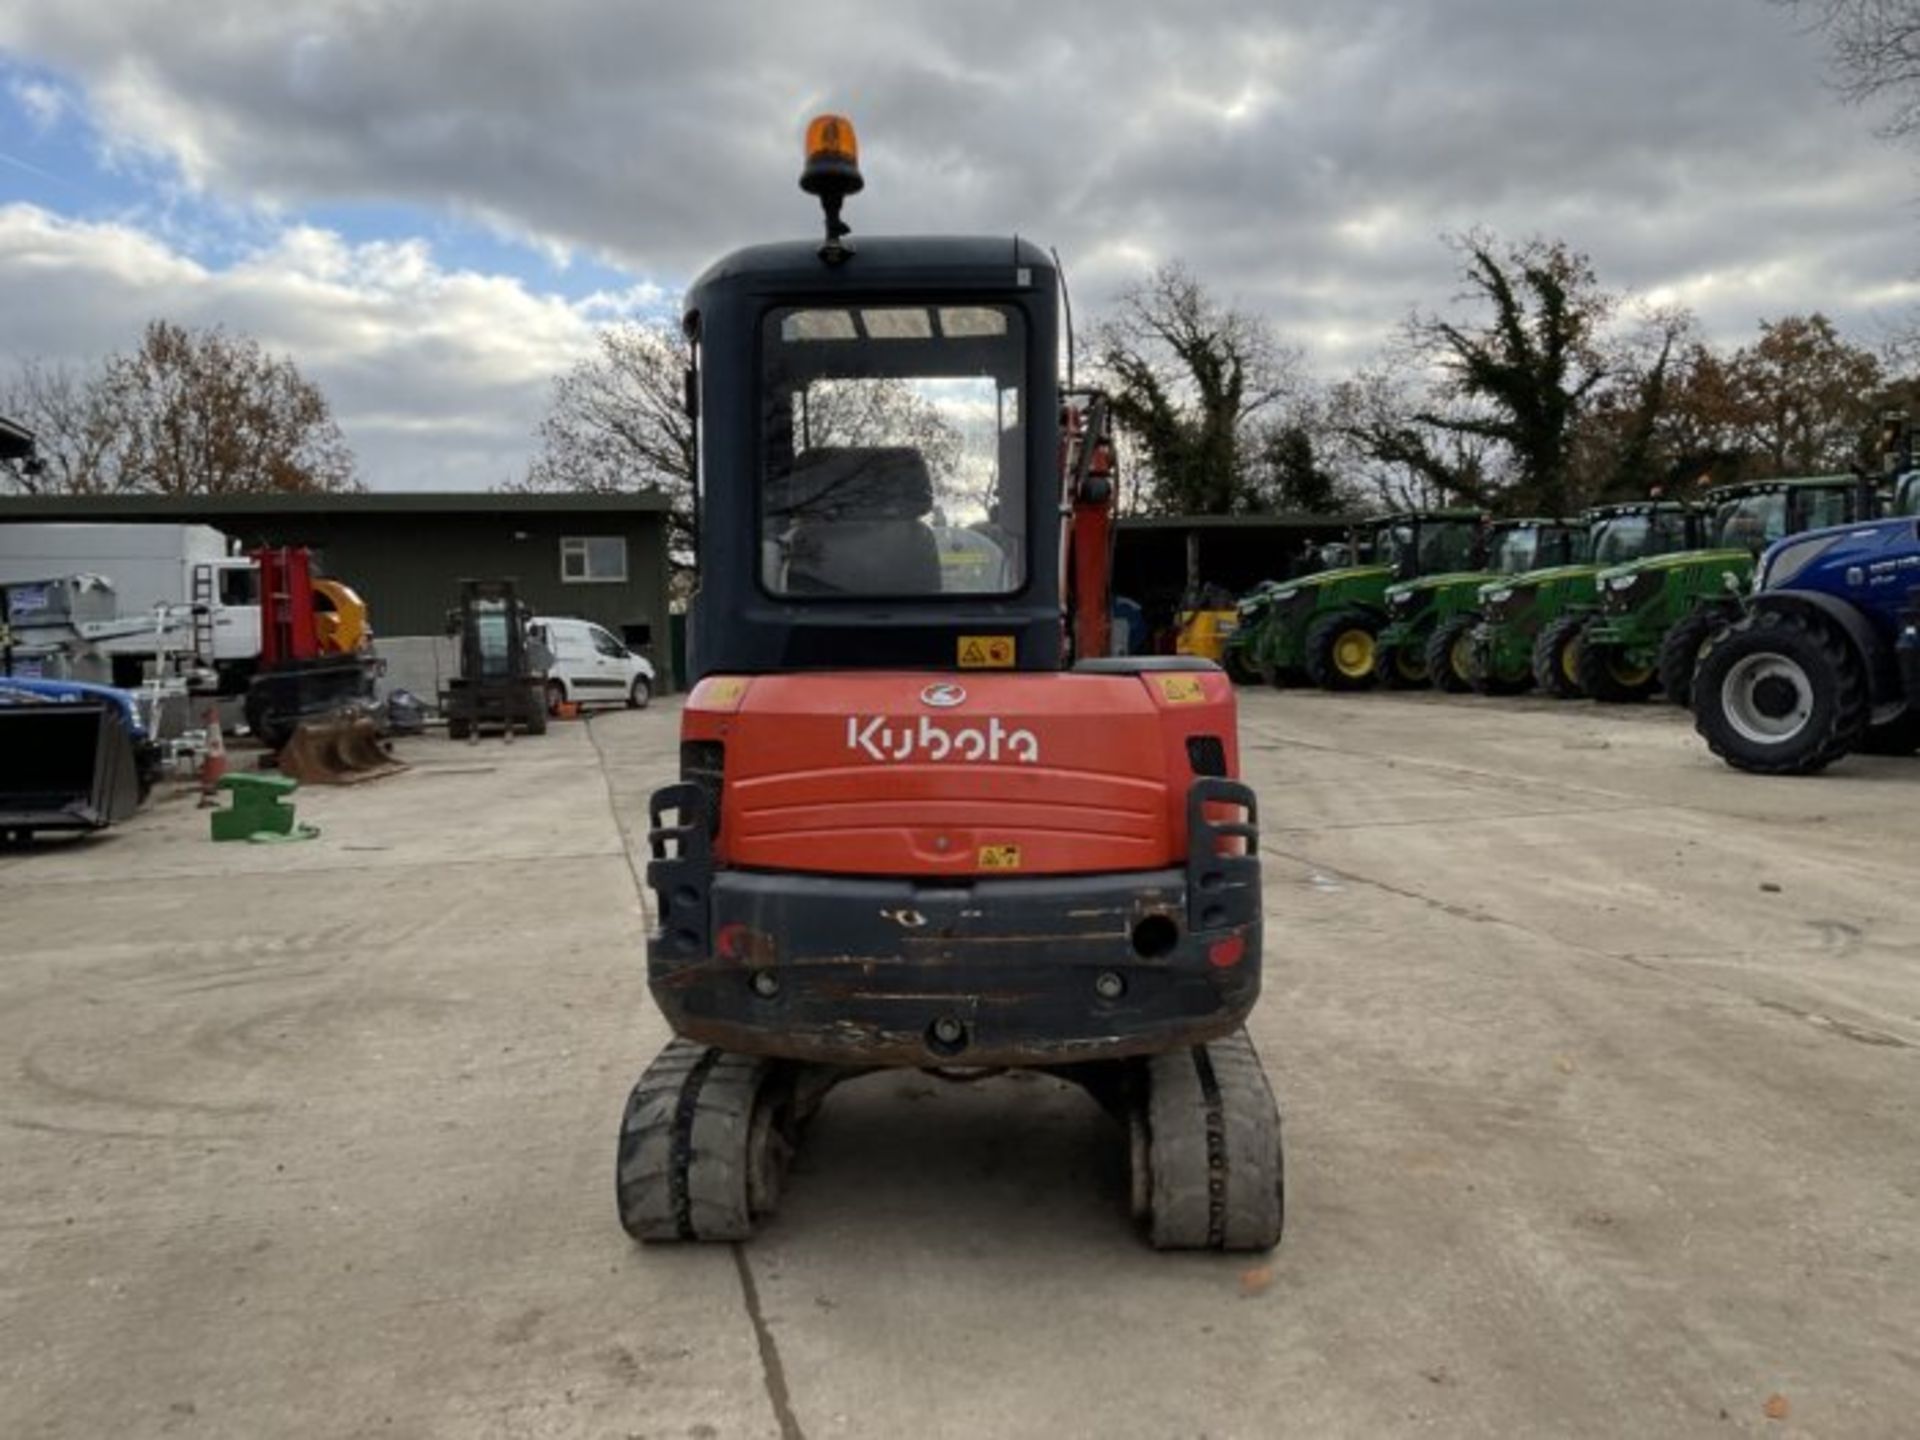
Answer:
(832, 172)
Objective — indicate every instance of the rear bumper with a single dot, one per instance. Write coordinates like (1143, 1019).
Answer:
(871, 972)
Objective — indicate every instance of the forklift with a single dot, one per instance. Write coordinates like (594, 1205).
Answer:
(502, 684)
(926, 818)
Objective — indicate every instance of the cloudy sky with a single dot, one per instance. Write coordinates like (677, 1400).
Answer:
(432, 205)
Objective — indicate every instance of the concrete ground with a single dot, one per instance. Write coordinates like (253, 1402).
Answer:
(1599, 1062)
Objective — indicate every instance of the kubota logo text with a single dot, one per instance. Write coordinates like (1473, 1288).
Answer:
(882, 738)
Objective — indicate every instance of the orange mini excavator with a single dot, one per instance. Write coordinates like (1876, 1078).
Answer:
(924, 817)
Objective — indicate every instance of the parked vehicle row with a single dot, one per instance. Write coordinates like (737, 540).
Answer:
(1785, 613)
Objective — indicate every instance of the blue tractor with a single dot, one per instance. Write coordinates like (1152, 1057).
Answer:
(1826, 659)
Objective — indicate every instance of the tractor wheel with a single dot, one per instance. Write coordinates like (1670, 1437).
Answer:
(1234, 662)
(1482, 676)
(1897, 734)
(1609, 677)
(1681, 648)
(704, 1144)
(1208, 1173)
(1340, 650)
(1780, 694)
(1556, 658)
(1450, 655)
(1400, 667)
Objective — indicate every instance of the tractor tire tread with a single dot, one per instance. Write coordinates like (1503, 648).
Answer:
(1848, 717)
(1549, 662)
(1599, 681)
(1681, 648)
(1389, 669)
(1321, 636)
(1440, 670)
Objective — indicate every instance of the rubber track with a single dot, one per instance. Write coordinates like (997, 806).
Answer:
(1216, 1149)
(678, 1178)
(1213, 1149)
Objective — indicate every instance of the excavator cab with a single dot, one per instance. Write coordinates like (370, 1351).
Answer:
(924, 818)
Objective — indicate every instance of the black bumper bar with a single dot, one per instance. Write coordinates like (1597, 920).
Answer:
(1033, 971)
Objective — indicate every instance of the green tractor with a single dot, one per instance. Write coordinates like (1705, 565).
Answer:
(1238, 655)
(1322, 627)
(1529, 627)
(1405, 653)
(1657, 613)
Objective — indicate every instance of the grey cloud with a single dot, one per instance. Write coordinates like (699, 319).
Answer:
(1301, 158)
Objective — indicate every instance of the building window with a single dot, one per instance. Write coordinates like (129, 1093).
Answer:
(594, 560)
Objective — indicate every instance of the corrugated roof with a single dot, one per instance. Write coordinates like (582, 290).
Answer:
(413, 502)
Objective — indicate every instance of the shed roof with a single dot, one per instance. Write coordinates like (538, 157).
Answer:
(390, 502)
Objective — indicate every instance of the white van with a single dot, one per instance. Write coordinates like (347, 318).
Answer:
(590, 665)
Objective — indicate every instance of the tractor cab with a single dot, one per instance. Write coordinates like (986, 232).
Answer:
(1522, 545)
(1751, 517)
(1430, 542)
(925, 817)
(1619, 534)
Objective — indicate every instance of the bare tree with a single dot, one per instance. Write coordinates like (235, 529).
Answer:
(1399, 460)
(618, 423)
(1876, 54)
(204, 412)
(1189, 376)
(73, 429)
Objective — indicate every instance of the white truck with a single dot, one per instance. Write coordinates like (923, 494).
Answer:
(177, 590)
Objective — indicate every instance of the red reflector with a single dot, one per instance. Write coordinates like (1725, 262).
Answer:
(1227, 952)
(730, 942)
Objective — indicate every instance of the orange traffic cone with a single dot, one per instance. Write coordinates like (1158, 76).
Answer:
(213, 760)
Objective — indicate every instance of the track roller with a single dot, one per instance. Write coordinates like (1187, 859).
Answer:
(706, 1140)
(1207, 1166)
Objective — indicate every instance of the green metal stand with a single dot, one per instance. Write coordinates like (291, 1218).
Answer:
(261, 810)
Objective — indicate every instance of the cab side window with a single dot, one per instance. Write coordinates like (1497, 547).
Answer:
(1826, 507)
(240, 586)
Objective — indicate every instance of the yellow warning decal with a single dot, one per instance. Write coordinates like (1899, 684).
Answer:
(986, 652)
(1181, 689)
(999, 857)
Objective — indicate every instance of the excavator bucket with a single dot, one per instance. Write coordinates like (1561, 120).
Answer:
(338, 750)
(64, 765)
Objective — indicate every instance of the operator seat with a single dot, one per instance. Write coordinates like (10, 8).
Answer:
(856, 526)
